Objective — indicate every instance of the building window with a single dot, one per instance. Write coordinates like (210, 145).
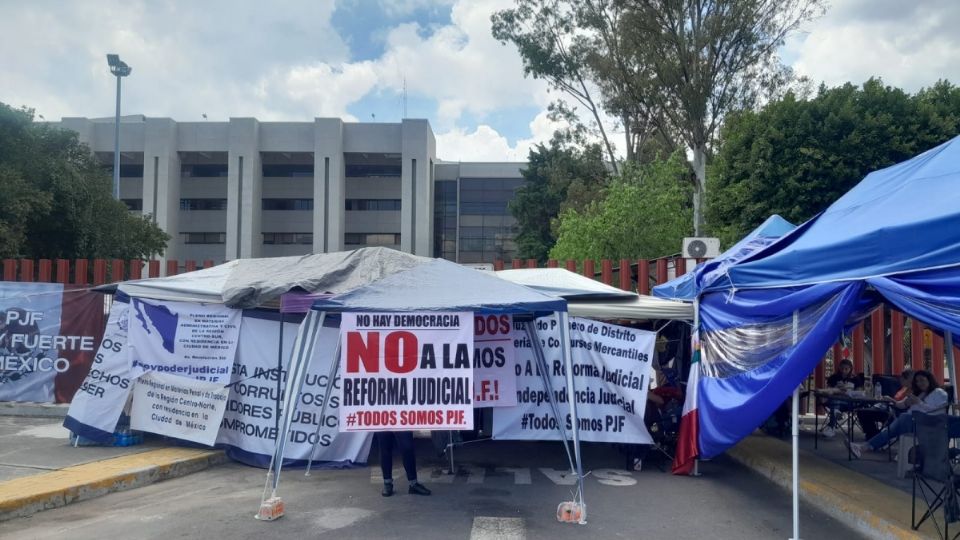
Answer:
(371, 239)
(287, 238)
(203, 204)
(372, 204)
(445, 219)
(487, 196)
(204, 237)
(208, 170)
(287, 204)
(288, 170)
(133, 204)
(364, 170)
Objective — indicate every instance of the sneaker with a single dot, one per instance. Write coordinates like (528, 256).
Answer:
(828, 432)
(854, 448)
(418, 489)
(387, 490)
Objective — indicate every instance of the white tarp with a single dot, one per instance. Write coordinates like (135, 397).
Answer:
(178, 407)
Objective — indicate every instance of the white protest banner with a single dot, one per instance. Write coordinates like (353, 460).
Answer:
(96, 407)
(611, 369)
(251, 418)
(180, 338)
(178, 407)
(494, 357)
(48, 335)
(406, 371)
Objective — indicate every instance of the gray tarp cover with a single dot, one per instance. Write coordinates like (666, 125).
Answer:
(247, 283)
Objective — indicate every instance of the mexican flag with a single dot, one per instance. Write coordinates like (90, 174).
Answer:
(687, 452)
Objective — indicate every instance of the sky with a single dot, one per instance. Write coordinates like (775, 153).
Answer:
(356, 59)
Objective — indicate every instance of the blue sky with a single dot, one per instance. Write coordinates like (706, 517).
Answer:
(301, 59)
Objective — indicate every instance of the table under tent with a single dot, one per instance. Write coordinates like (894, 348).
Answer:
(766, 322)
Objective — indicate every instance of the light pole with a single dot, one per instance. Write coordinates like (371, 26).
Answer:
(119, 69)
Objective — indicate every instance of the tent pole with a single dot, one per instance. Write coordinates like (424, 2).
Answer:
(279, 374)
(696, 334)
(951, 366)
(544, 372)
(306, 341)
(571, 393)
(795, 431)
(331, 377)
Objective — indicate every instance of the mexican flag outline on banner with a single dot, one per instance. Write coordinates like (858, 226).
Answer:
(687, 447)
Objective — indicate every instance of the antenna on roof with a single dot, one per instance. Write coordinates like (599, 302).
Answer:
(404, 96)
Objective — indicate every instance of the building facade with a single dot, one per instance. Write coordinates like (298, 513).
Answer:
(245, 188)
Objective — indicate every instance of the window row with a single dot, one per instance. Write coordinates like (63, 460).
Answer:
(287, 238)
(204, 237)
(372, 204)
(371, 239)
(133, 204)
(203, 204)
(287, 204)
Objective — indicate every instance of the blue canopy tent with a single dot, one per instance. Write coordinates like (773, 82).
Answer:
(713, 272)
(894, 237)
(437, 286)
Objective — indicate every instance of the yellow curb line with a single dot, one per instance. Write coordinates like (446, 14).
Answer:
(870, 506)
(30, 494)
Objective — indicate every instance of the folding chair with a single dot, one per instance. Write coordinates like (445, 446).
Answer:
(933, 473)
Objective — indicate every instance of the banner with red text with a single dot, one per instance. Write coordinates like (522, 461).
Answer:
(494, 357)
(406, 371)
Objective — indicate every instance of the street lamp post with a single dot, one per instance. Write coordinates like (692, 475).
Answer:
(119, 69)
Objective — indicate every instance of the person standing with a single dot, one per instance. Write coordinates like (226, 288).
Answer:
(388, 440)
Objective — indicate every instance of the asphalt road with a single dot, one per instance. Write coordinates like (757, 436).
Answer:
(502, 490)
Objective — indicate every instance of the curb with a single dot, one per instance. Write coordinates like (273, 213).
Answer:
(34, 409)
(28, 495)
(870, 507)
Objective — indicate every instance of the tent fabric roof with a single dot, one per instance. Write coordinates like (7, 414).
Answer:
(640, 308)
(900, 219)
(714, 272)
(246, 283)
(563, 283)
(441, 285)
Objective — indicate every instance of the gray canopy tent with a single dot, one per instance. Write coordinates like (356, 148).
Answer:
(438, 286)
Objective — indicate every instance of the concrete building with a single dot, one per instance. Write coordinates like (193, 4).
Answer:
(246, 188)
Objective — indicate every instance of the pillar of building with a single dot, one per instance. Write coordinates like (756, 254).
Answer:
(329, 185)
(244, 189)
(418, 153)
(161, 179)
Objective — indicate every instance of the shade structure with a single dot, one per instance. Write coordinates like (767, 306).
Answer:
(713, 273)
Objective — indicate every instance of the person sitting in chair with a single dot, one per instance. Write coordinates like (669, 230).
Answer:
(874, 419)
(927, 397)
(842, 381)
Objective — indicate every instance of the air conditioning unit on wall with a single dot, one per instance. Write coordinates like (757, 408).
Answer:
(701, 248)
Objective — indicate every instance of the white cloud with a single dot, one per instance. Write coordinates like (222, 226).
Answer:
(908, 44)
(485, 144)
(325, 89)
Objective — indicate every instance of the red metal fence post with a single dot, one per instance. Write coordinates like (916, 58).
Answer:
(172, 267)
(153, 269)
(626, 277)
(588, 269)
(571, 265)
(643, 276)
(498, 265)
(552, 263)
(208, 263)
(26, 270)
(858, 348)
(190, 266)
(937, 362)
(661, 271)
(9, 270)
(81, 272)
(532, 263)
(63, 271)
(896, 340)
(916, 345)
(116, 270)
(516, 263)
(681, 266)
(878, 338)
(45, 270)
(606, 271)
(136, 269)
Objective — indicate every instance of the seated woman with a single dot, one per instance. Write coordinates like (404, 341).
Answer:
(874, 419)
(927, 397)
(843, 381)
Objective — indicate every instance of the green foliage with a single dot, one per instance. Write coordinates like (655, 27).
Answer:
(55, 199)
(557, 177)
(795, 157)
(644, 212)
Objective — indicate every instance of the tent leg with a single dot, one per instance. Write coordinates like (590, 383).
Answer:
(543, 369)
(279, 373)
(571, 392)
(334, 366)
(951, 366)
(795, 432)
(450, 447)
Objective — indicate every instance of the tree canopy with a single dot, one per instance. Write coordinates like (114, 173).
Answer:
(55, 198)
(643, 212)
(795, 157)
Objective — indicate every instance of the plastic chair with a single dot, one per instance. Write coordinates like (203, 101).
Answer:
(933, 473)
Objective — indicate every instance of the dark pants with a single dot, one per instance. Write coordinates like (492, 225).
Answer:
(403, 439)
(872, 421)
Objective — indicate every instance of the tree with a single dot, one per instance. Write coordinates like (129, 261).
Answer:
(695, 61)
(557, 177)
(55, 198)
(644, 212)
(545, 33)
(795, 157)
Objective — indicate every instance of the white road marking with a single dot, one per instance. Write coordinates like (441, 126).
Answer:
(494, 528)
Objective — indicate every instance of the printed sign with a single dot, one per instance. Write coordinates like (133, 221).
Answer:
(104, 392)
(178, 407)
(611, 370)
(250, 422)
(406, 371)
(48, 336)
(494, 357)
(191, 340)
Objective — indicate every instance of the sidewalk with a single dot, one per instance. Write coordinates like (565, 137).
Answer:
(872, 507)
(40, 470)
